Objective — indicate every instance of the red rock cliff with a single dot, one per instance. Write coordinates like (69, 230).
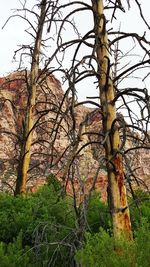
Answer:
(52, 145)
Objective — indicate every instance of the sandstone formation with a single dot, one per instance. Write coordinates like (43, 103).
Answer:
(56, 133)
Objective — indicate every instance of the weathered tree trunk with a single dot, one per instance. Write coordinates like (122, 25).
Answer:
(29, 123)
(117, 191)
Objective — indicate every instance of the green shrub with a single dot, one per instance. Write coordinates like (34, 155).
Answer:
(142, 244)
(13, 254)
(40, 230)
(98, 214)
(139, 209)
(100, 250)
(47, 224)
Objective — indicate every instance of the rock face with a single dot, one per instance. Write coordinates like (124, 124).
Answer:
(13, 105)
(59, 134)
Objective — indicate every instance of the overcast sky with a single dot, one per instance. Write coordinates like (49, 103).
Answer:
(13, 34)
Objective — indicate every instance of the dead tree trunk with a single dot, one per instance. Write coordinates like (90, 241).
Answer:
(117, 191)
(29, 123)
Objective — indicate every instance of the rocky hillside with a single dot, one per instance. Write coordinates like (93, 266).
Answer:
(59, 134)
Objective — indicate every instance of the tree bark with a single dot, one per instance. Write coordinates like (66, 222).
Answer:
(116, 187)
(29, 122)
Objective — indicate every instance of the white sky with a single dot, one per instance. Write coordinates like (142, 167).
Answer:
(13, 35)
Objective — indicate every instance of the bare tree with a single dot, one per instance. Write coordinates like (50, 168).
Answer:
(96, 64)
(29, 121)
(116, 131)
(38, 92)
(114, 160)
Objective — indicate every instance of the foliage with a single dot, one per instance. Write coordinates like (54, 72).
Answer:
(40, 230)
(142, 243)
(98, 214)
(13, 255)
(46, 222)
(100, 249)
(52, 180)
(140, 208)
